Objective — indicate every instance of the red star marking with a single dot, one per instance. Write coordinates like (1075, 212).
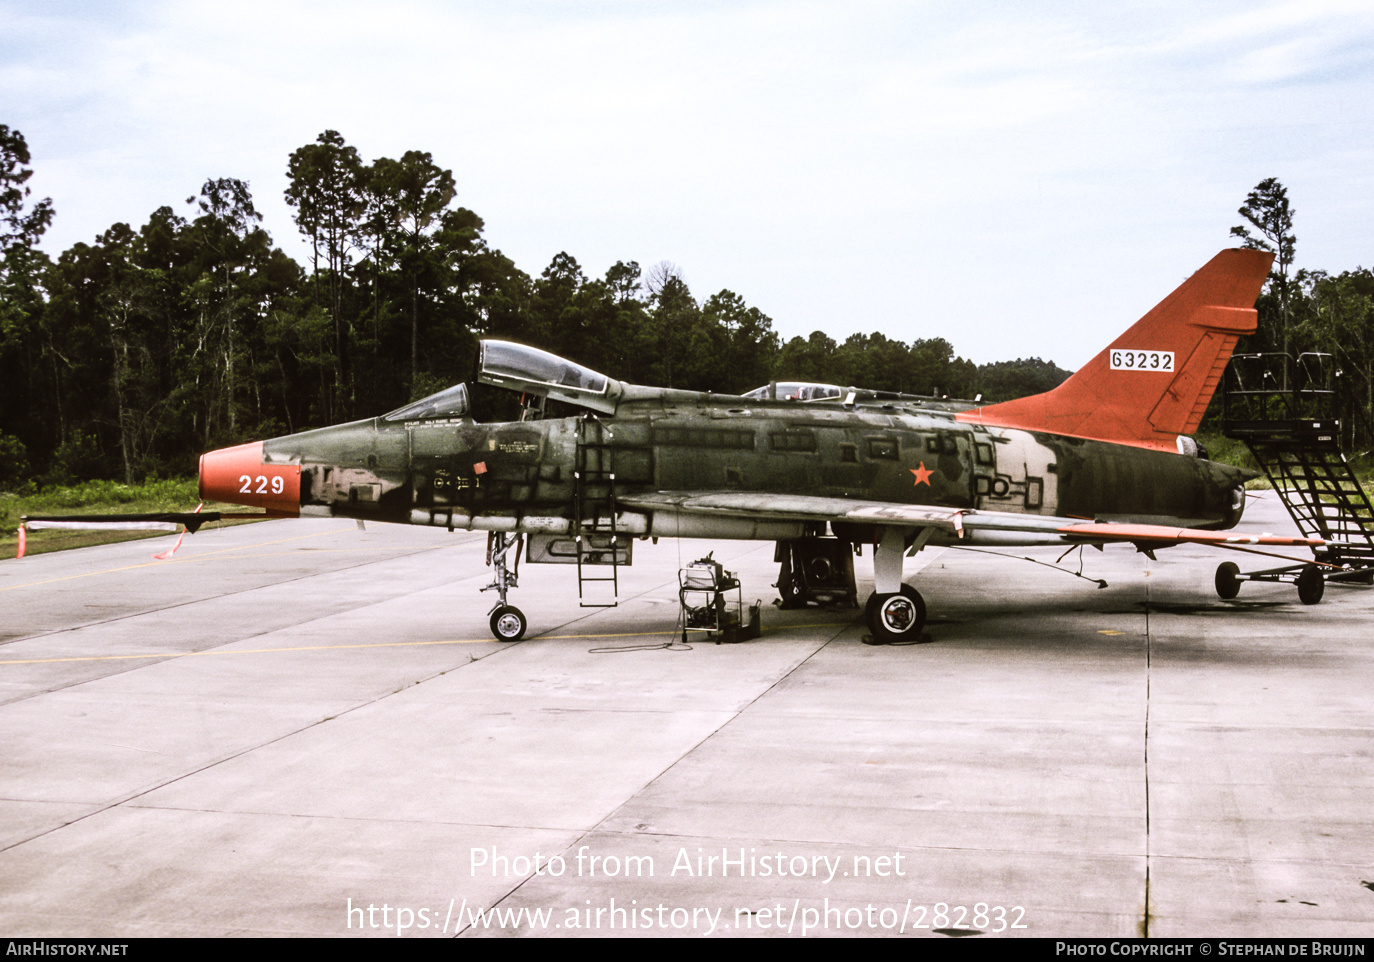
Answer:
(922, 474)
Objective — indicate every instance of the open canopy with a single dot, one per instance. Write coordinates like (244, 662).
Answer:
(532, 371)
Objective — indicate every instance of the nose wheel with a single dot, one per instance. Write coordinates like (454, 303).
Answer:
(508, 623)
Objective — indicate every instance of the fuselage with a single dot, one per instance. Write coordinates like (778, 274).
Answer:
(540, 475)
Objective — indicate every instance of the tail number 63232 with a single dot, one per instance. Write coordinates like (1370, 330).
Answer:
(264, 484)
(1123, 360)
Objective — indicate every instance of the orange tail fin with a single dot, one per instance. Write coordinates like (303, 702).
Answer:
(1154, 382)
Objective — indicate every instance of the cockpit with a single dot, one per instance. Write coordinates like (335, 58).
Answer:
(797, 391)
(527, 371)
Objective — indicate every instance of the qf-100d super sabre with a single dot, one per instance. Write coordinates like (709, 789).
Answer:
(1105, 457)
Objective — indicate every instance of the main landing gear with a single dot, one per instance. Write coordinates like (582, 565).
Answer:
(896, 617)
(895, 612)
(507, 621)
(817, 571)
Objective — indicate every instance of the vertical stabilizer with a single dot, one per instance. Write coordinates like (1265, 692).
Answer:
(1153, 382)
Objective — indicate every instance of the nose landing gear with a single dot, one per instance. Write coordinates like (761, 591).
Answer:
(507, 621)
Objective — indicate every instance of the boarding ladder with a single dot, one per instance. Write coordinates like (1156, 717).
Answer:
(1286, 411)
(594, 511)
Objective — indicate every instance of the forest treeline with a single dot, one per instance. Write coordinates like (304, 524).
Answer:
(128, 356)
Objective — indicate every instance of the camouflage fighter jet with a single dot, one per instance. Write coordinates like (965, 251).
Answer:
(1105, 457)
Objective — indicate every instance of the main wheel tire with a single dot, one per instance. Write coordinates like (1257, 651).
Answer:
(1311, 585)
(1228, 585)
(508, 623)
(896, 617)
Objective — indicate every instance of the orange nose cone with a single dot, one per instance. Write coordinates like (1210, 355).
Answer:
(239, 476)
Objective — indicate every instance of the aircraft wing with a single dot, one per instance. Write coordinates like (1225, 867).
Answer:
(797, 507)
(958, 521)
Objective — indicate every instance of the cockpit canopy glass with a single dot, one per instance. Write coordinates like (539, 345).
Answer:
(532, 366)
(796, 391)
(449, 403)
(517, 367)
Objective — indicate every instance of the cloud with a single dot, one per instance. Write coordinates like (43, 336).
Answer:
(1009, 176)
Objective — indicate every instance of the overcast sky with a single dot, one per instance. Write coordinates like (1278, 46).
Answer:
(1018, 178)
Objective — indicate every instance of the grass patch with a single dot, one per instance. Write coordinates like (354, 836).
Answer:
(1224, 450)
(1363, 466)
(97, 497)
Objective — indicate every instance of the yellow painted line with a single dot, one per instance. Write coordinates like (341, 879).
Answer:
(1108, 631)
(394, 547)
(389, 644)
(244, 651)
(89, 574)
(170, 561)
(302, 551)
(675, 631)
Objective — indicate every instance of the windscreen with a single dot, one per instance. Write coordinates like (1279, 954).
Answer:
(449, 403)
